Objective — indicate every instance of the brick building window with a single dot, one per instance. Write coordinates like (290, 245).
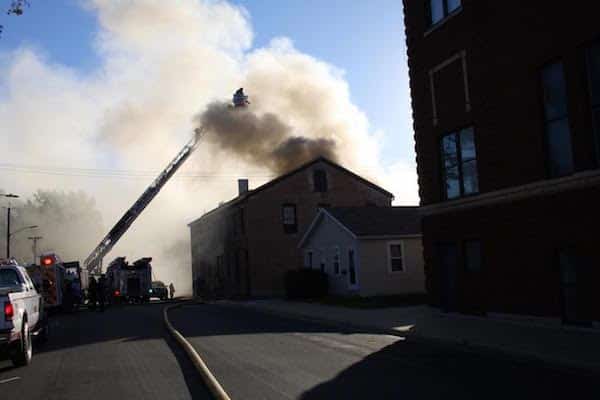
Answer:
(472, 250)
(290, 222)
(437, 10)
(593, 67)
(459, 163)
(320, 180)
(556, 121)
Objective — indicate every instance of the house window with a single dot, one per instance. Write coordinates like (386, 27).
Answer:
(309, 259)
(396, 256)
(473, 255)
(459, 163)
(320, 180)
(437, 10)
(556, 121)
(290, 223)
(593, 66)
(351, 267)
(336, 261)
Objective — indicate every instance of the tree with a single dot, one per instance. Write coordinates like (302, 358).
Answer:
(17, 7)
(70, 223)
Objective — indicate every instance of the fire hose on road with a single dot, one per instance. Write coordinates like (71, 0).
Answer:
(209, 379)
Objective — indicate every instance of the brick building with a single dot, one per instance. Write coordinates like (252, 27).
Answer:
(506, 100)
(244, 247)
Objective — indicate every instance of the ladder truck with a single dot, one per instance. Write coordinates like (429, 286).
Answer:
(93, 263)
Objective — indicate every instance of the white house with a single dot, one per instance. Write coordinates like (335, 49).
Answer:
(367, 251)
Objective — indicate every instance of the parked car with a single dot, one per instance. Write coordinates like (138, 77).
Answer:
(159, 290)
(21, 314)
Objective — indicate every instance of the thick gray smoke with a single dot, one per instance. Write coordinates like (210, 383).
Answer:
(263, 140)
(69, 223)
(133, 113)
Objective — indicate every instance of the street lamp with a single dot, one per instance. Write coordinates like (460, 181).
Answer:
(9, 234)
(9, 196)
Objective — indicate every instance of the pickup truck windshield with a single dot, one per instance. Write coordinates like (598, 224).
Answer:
(8, 277)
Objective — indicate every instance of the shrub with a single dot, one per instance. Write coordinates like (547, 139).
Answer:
(306, 283)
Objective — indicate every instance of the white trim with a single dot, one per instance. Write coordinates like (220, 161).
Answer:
(389, 256)
(443, 21)
(311, 227)
(462, 55)
(540, 188)
(344, 227)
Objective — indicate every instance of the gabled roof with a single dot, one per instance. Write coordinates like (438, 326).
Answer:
(250, 193)
(371, 221)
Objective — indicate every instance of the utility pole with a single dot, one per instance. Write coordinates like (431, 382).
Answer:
(8, 232)
(34, 245)
(9, 196)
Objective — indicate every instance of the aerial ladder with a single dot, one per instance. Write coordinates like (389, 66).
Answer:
(93, 263)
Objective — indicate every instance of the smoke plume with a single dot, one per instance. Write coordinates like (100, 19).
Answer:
(262, 140)
(159, 65)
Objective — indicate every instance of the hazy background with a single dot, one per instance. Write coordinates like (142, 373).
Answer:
(91, 134)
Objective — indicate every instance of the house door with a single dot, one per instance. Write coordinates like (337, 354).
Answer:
(447, 255)
(352, 273)
(574, 296)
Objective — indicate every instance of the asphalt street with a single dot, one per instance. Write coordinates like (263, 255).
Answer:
(261, 356)
(123, 353)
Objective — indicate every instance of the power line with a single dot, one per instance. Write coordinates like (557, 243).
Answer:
(115, 173)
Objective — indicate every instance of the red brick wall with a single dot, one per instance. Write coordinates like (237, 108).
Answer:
(271, 251)
(520, 241)
(506, 43)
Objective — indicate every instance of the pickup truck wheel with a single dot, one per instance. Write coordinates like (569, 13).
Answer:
(44, 333)
(24, 350)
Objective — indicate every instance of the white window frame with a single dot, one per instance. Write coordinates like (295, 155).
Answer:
(389, 256)
(462, 56)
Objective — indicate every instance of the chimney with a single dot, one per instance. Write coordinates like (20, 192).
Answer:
(242, 186)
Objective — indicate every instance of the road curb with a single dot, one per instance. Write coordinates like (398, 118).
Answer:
(458, 344)
(209, 379)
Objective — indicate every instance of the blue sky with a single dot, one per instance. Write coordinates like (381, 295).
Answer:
(365, 39)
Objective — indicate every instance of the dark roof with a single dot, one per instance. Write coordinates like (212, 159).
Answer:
(267, 185)
(379, 221)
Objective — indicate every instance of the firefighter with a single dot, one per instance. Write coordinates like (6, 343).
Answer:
(92, 293)
(171, 290)
(101, 289)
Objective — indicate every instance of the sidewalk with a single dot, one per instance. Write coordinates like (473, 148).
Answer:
(564, 346)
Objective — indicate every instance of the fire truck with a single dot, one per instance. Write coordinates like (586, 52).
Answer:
(50, 277)
(129, 283)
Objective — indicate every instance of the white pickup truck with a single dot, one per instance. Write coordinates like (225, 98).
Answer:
(21, 314)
